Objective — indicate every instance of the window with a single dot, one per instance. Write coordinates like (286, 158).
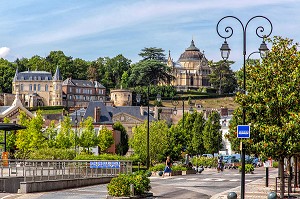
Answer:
(21, 87)
(39, 77)
(39, 87)
(70, 89)
(30, 87)
(46, 78)
(70, 97)
(34, 87)
(46, 87)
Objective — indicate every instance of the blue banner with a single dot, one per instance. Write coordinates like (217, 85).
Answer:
(104, 165)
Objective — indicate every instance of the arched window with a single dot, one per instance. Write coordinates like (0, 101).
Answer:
(21, 87)
(30, 87)
(46, 87)
(39, 87)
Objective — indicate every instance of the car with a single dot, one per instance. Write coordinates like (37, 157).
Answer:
(207, 155)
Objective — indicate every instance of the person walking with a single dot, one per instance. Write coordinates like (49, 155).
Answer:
(168, 167)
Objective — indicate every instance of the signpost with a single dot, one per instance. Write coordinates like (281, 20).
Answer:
(243, 131)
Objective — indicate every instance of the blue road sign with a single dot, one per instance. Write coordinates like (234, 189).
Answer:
(104, 165)
(243, 131)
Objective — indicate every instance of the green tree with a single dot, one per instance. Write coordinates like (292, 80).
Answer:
(143, 72)
(7, 72)
(272, 103)
(50, 134)
(122, 147)
(153, 53)
(158, 142)
(65, 63)
(105, 139)
(65, 137)
(222, 77)
(31, 138)
(212, 137)
(125, 80)
(88, 137)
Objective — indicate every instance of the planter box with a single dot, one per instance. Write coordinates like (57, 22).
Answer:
(145, 195)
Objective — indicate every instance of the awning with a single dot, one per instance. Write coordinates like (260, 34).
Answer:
(11, 126)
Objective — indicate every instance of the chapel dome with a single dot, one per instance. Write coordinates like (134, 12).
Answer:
(191, 53)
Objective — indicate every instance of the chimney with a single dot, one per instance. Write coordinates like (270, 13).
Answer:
(97, 114)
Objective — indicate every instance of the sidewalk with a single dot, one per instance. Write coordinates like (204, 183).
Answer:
(256, 189)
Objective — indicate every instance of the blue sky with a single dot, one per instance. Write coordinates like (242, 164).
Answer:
(98, 28)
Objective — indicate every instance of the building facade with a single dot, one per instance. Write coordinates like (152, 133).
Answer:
(81, 92)
(191, 71)
(38, 88)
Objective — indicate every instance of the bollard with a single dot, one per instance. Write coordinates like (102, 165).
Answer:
(272, 195)
(232, 195)
(131, 190)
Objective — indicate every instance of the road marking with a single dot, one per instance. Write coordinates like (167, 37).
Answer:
(192, 179)
(234, 180)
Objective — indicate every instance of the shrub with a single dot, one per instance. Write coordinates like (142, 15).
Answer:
(275, 164)
(120, 186)
(249, 168)
(51, 154)
(158, 167)
(179, 168)
(204, 161)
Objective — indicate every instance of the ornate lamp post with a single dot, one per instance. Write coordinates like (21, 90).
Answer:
(225, 51)
(158, 98)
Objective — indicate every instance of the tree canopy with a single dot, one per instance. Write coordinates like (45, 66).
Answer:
(272, 102)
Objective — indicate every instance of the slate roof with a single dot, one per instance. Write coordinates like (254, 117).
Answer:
(33, 75)
(3, 108)
(82, 83)
(130, 110)
(105, 117)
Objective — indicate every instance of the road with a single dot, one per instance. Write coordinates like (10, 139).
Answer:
(203, 186)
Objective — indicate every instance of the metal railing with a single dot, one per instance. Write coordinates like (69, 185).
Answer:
(43, 170)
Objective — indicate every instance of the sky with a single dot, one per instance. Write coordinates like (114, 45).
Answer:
(97, 28)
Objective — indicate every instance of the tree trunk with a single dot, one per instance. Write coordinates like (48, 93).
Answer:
(296, 171)
(281, 175)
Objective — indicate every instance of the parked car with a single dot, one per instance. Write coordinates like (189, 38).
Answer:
(208, 155)
(231, 162)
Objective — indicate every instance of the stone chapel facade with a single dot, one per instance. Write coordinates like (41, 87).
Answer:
(191, 71)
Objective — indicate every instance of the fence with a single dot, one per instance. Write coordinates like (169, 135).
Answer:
(43, 170)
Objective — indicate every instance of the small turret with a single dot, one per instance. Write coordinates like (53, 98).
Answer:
(57, 75)
(16, 75)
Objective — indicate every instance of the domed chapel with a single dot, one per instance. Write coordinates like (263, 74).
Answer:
(191, 71)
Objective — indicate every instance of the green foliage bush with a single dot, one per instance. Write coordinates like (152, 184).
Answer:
(249, 168)
(275, 164)
(106, 156)
(50, 154)
(204, 161)
(158, 167)
(179, 168)
(120, 185)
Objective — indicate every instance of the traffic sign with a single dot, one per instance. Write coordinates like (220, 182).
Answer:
(243, 131)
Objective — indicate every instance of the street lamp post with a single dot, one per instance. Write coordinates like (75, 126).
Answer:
(148, 123)
(225, 51)
(75, 137)
(175, 104)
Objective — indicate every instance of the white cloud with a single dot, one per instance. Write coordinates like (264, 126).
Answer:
(4, 51)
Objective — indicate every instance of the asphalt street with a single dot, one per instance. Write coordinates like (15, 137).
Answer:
(203, 186)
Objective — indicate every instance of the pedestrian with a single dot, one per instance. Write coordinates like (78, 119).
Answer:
(220, 164)
(168, 166)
